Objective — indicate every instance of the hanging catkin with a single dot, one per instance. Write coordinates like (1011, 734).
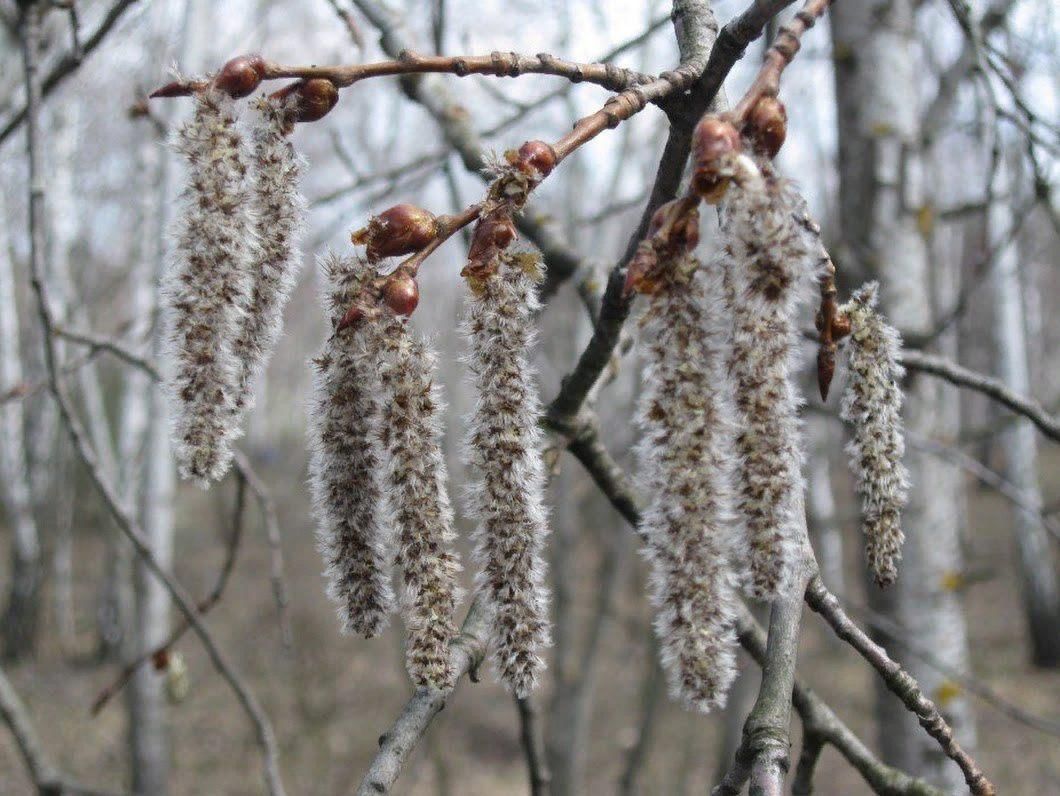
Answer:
(507, 495)
(686, 467)
(344, 462)
(872, 405)
(278, 211)
(410, 431)
(767, 267)
(207, 288)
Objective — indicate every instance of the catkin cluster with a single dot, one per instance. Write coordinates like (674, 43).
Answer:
(278, 210)
(768, 265)
(686, 467)
(208, 288)
(410, 432)
(344, 461)
(503, 450)
(872, 405)
(235, 259)
(378, 475)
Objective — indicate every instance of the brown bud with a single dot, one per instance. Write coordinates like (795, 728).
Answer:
(160, 659)
(677, 224)
(401, 293)
(535, 158)
(399, 230)
(640, 271)
(712, 141)
(316, 97)
(241, 76)
(767, 126)
(350, 317)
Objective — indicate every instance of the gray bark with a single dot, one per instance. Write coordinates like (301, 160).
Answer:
(876, 76)
(1037, 577)
(20, 623)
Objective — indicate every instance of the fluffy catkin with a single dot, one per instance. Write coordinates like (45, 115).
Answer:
(278, 210)
(207, 289)
(767, 267)
(872, 405)
(686, 467)
(410, 430)
(503, 449)
(344, 462)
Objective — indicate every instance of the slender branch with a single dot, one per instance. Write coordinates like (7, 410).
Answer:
(532, 739)
(407, 62)
(46, 778)
(30, 28)
(203, 607)
(996, 389)
(69, 63)
(397, 743)
(723, 49)
(899, 682)
(762, 755)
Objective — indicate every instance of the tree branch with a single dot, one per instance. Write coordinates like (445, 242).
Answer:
(397, 743)
(533, 742)
(30, 29)
(899, 682)
(988, 385)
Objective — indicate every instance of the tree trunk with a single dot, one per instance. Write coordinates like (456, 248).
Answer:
(1037, 578)
(20, 623)
(876, 75)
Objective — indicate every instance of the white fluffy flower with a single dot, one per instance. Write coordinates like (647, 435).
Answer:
(507, 496)
(686, 465)
(278, 210)
(345, 464)
(410, 431)
(207, 289)
(768, 268)
(872, 405)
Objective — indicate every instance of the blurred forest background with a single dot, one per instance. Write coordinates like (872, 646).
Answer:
(945, 190)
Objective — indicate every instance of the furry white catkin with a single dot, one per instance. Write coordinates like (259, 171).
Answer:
(686, 465)
(503, 449)
(768, 265)
(410, 431)
(278, 210)
(872, 405)
(207, 289)
(344, 461)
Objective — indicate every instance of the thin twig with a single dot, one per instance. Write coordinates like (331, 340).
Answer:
(204, 606)
(30, 27)
(992, 387)
(532, 739)
(899, 682)
(397, 743)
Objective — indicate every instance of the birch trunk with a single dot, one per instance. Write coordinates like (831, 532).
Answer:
(876, 75)
(20, 623)
(1037, 578)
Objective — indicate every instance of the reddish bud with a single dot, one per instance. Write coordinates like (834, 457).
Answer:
(350, 317)
(401, 293)
(677, 224)
(316, 98)
(640, 270)
(241, 76)
(767, 126)
(712, 141)
(399, 230)
(535, 158)
(160, 659)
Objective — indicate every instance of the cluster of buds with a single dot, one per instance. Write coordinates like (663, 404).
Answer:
(719, 140)
(872, 405)
(504, 452)
(686, 467)
(672, 233)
